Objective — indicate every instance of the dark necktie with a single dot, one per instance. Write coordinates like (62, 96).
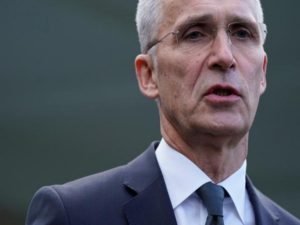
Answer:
(212, 196)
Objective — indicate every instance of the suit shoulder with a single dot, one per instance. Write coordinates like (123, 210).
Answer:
(51, 213)
(78, 201)
(94, 198)
(102, 179)
(86, 188)
(284, 216)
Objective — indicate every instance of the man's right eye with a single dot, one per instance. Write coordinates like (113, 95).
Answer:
(193, 35)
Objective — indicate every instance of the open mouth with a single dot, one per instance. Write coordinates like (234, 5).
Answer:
(223, 92)
(220, 90)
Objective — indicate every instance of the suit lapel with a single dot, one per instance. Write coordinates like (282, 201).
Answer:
(150, 204)
(150, 207)
(263, 213)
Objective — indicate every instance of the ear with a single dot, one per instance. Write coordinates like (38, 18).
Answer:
(146, 76)
(263, 82)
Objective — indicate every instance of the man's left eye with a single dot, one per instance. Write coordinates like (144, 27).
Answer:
(242, 33)
(194, 35)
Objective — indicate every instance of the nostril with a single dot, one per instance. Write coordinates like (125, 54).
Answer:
(222, 67)
(221, 63)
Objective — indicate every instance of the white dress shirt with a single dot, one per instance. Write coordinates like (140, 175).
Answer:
(183, 178)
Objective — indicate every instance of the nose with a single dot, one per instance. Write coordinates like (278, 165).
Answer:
(221, 55)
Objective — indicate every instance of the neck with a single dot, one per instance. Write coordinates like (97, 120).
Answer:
(218, 156)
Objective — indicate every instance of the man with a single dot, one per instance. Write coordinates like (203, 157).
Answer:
(204, 63)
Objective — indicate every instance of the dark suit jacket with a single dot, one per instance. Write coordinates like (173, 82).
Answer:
(133, 194)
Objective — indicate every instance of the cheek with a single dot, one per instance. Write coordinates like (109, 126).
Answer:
(169, 77)
(253, 70)
(186, 71)
(176, 79)
(172, 74)
(253, 78)
(258, 80)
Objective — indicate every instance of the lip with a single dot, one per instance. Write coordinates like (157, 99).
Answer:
(211, 96)
(212, 89)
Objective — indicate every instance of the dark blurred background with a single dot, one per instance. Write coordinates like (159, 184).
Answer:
(70, 105)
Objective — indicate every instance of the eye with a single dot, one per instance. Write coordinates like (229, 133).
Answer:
(195, 33)
(242, 32)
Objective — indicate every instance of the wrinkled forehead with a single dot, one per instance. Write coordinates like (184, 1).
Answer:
(177, 11)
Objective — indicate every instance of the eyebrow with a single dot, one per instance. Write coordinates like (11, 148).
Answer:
(194, 20)
(208, 18)
(240, 19)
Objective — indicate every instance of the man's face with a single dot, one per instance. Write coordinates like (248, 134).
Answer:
(212, 88)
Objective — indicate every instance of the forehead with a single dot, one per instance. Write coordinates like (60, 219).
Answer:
(178, 11)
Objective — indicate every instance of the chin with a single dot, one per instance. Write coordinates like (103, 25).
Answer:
(226, 128)
(228, 131)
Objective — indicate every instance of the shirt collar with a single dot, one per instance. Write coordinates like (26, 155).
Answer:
(235, 185)
(182, 181)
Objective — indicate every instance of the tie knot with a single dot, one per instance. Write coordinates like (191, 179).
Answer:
(212, 196)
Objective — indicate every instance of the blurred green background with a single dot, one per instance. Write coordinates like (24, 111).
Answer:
(70, 105)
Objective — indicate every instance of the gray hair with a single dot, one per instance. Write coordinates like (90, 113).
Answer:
(149, 15)
(260, 19)
(147, 19)
(260, 12)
